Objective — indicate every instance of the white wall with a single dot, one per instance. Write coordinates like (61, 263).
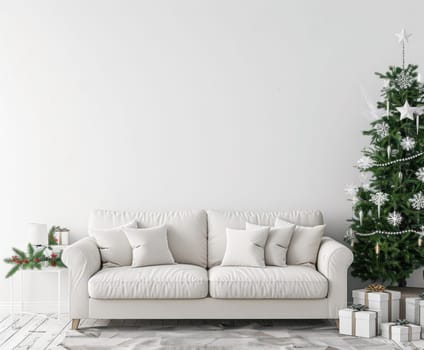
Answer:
(186, 104)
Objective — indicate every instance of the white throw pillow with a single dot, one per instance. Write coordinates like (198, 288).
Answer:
(277, 243)
(245, 247)
(113, 244)
(305, 242)
(150, 246)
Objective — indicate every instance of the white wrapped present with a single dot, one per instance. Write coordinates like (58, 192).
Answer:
(358, 323)
(400, 333)
(414, 311)
(386, 302)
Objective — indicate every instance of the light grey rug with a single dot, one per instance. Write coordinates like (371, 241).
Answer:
(218, 335)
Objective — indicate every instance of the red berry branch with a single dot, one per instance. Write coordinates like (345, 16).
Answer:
(32, 259)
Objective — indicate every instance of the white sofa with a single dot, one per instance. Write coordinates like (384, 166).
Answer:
(197, 287)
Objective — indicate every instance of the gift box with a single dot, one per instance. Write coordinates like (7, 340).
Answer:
(414, 311)
(358, 323)
(386, 303)
(400, 333)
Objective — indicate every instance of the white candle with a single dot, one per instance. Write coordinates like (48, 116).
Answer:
(361, 216)
(417, 119)
(387, 108)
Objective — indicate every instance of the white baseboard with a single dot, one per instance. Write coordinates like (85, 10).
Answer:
(34, 306)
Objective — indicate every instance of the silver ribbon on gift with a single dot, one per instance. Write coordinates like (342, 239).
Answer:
(360, 307)
(404, 323)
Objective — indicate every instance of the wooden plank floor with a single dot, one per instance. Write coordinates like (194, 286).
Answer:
(46, 332)
(33, 332)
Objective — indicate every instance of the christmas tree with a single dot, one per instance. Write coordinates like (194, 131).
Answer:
(388, 206)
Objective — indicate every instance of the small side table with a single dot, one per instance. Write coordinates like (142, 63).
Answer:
(59, 271)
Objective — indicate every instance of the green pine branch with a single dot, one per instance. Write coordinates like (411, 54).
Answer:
(31, 260)
(12, 271)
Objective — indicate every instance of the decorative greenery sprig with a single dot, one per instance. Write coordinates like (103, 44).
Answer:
(32, 259)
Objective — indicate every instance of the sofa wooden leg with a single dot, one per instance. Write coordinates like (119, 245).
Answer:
(337, 324)
(75, 323)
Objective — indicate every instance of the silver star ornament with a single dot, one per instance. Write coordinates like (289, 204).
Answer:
(406, 112)
(403, 36)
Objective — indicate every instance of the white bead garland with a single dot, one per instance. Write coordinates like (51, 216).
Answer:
(388, 232)
(398, 160)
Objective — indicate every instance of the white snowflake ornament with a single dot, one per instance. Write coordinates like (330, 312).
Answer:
(379, 199)
(365, 163)
(407, 143)
(417, 201)
(351, 190)
(366, 186)
(382, 130)
(420, 174)
(394, 218)
(404, 80)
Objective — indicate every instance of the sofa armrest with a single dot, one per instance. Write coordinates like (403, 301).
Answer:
(83, 260)
(333, 261)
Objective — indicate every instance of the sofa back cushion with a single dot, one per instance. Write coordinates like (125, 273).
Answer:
(115, 249)
(187, 230)
(219, 220)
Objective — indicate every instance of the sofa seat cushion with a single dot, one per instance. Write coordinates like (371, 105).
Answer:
(177, 281)
(271, 282)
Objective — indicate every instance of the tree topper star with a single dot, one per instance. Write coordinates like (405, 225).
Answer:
(406, 112)
(403, 36)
